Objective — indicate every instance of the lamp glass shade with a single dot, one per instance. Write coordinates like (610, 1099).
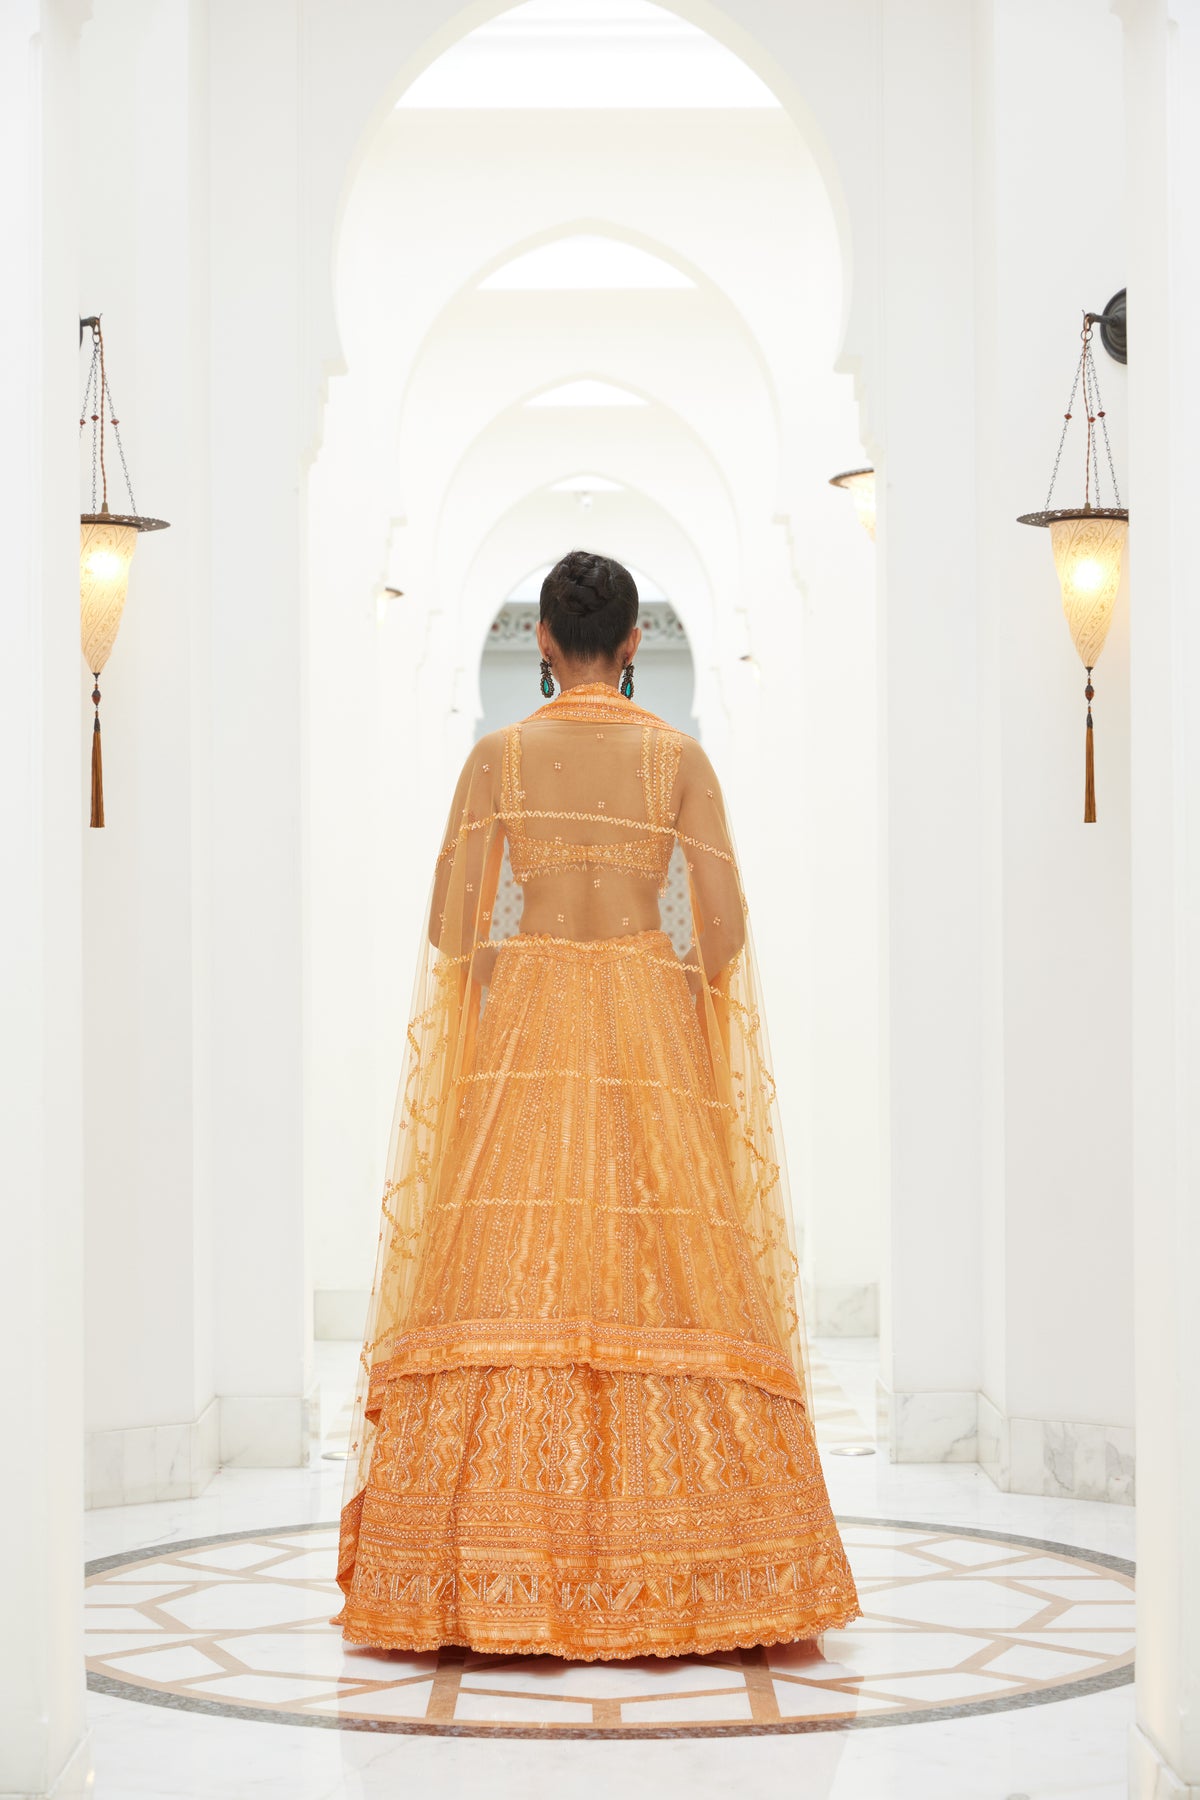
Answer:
(1087, 555)
(105, 553)
(860, 485)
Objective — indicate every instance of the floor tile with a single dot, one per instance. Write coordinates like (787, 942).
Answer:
(918, 1536)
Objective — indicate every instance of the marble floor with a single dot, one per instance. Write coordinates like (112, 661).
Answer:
(993, 1658)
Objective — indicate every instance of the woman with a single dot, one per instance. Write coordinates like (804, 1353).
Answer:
(584, 1424)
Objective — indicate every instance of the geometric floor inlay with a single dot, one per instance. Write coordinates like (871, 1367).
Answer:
(958, 1621)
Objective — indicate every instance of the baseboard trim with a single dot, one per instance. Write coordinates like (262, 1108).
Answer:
(1065, 1459)
(74, 1781)
(1060, 1458)
(844, 1309)
(177, 1461)
(1151, 1777)
(927, 1427)
(269, 1431)
(152, 1462)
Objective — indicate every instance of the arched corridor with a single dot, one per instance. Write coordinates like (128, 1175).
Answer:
(667, 313)
(402, 303)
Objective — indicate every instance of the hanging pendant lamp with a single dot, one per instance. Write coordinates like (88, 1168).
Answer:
(1087, 541)
(107, 541)
(860, 485)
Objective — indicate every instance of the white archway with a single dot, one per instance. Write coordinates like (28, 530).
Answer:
(433, 479)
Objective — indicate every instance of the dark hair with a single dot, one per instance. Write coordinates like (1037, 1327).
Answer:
(589, 603)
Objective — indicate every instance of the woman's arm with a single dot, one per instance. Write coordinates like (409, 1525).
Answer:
(454, 922)
(718, 911)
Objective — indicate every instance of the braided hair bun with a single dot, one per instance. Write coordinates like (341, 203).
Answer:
(589, 604)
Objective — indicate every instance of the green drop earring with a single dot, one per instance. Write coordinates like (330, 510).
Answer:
(547, 680)
(627, 681)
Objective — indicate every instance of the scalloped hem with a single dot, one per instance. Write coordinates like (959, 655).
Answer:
(698, 1644)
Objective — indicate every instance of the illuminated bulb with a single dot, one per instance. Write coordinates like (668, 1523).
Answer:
(1087, 554)
(1087, 576)
(105, 553)
(103, 564)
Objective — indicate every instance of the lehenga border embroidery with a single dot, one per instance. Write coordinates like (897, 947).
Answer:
(541, 1342)
(611, 1081)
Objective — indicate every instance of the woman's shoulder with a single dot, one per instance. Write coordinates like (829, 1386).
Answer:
(693, 758)
(483, 760)
(491, 745)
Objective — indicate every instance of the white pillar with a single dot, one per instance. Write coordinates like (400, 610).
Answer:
(921, 398)
(348, 708)
(42, 1745)
(1056, 1400)
(837, 1168)
(258, 700)
(151, 1419)
(1162, 60)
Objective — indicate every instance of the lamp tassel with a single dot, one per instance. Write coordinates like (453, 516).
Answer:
(1089, 779)
(97, 762)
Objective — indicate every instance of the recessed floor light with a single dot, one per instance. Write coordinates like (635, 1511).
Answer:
(852, 1449)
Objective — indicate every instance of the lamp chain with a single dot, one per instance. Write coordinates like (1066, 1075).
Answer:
(115, 423)
(90, 397)
(1063, 435)
(1090, 463)
(1085, 375)
(1100, 414)
(99, 394)
(103, 392)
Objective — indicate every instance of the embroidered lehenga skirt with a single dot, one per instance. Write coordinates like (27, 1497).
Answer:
(585, 1441)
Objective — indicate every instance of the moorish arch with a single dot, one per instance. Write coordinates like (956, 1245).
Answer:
(658, 459)
(431, 448)
(638, 530)
(367, 72)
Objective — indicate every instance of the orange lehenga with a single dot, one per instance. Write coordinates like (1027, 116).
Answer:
(584, 1420)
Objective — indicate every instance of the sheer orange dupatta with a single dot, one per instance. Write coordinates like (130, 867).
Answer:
(454, 968)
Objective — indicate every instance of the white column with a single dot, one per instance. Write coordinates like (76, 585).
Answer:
(1056, 1402)
(151, 1418)
(258, 701)
(921, 398)
(839, 875)
(348, 706)
(1162, 61)
(42, 1746)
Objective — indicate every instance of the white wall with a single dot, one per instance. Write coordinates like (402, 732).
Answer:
(41, 816)
(259, 699)
(1162, 76)
(919, 377)
(151, 1422)
(1058, 1374)
(194, 892)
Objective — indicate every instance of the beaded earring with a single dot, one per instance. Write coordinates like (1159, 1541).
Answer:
(547, 680)
(627, 681)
